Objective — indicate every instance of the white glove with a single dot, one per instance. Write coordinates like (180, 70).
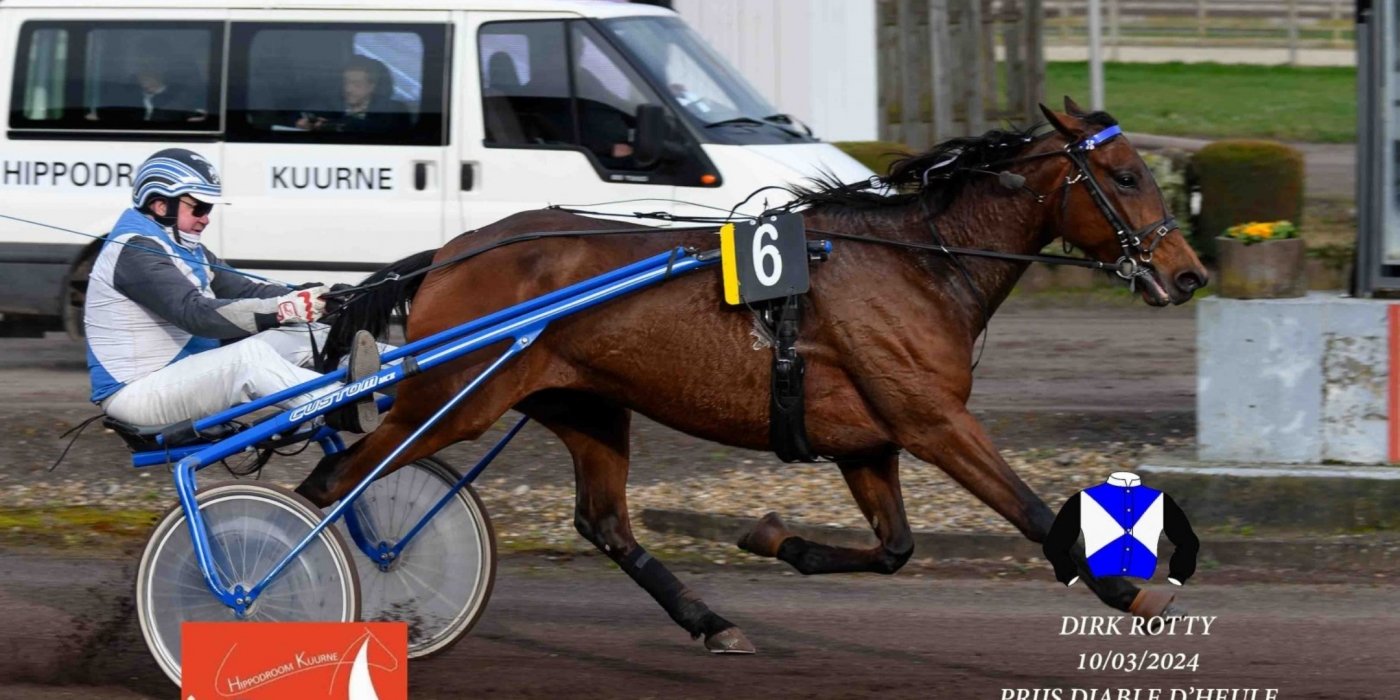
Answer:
(302, 306)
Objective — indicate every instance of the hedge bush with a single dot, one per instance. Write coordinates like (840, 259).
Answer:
(1246, 180)
(876, 155)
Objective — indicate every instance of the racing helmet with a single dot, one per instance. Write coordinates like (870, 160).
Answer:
(172, 173)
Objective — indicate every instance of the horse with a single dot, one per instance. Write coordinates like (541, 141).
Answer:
(888, 337)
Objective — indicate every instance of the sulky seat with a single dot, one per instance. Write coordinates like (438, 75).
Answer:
(141, 438)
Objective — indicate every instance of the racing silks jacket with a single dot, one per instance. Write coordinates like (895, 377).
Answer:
(1121, 520)
(153, 300)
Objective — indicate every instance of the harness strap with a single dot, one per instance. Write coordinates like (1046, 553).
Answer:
(787, 424)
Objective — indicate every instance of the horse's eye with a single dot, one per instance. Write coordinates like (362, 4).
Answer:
(1125, 180)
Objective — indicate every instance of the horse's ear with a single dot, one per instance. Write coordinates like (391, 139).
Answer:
(1071, 133)
(1072, 108)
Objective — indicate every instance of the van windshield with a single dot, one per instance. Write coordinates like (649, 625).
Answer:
(711, 93)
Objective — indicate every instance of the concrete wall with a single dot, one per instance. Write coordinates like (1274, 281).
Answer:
(1293, 380)
(814, 59)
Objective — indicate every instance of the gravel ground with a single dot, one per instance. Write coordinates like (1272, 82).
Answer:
(1051, 389)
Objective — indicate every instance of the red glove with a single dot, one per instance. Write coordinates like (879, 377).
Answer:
(302, 306)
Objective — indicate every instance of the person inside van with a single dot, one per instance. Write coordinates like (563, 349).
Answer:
(174, 335)
(152, 98)
(604, 127)
(367, 89)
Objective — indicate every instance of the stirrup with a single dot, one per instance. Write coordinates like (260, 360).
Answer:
(363, 415)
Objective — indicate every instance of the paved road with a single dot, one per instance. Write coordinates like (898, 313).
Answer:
(581, 629)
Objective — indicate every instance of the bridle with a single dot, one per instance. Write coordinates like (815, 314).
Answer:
(1137, 245)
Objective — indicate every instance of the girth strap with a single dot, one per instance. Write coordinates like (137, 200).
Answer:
(787, 425)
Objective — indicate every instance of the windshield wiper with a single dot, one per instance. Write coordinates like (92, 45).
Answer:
(750, 121)
(788, 120)
(737, 120)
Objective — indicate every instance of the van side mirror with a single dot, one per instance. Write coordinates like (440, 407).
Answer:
(653, 139)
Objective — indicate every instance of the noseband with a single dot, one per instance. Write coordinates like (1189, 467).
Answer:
(1137, 245)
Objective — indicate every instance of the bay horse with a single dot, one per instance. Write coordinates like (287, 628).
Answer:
(888, 337)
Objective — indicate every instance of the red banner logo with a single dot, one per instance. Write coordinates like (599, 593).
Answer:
(276, 660)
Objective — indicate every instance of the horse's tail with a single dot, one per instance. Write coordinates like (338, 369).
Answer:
(372, 308)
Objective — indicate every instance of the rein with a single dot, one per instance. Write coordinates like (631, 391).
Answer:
(161, 253)
(1137, 245)
(521, 238)
(975, 252)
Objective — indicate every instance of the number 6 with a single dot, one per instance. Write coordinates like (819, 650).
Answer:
(761, 251)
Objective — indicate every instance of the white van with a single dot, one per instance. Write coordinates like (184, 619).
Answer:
(350, 134)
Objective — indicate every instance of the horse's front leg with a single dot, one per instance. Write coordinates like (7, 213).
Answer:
(875, 484)
(959, 445)
(595, 431)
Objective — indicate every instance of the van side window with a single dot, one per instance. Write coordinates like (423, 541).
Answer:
(525, 84)
(338, 83)
(543, 87)
(608, 93)
(118, 76)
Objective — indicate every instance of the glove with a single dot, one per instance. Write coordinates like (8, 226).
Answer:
(301, 306)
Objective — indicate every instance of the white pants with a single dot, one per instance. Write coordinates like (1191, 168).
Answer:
(204, 384)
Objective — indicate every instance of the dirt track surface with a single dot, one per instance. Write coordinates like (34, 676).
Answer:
(580, 629)
(1086, 372)
(1071, 387)
(1079, 370)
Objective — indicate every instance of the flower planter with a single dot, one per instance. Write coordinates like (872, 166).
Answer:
(1263, 270)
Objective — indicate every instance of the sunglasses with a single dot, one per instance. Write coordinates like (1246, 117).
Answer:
(199, 209)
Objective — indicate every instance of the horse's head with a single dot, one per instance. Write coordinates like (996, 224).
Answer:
(1119, 214)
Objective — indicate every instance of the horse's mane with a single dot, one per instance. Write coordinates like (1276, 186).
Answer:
(938, 173)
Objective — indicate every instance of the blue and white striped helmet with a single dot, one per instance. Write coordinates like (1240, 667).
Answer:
(174, 172)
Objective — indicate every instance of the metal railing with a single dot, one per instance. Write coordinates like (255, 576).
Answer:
(1290, 24)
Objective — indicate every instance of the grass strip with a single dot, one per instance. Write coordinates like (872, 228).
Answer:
(70, 526)
(1212, 100)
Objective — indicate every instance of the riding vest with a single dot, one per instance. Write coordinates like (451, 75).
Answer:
(1121, 521)
(152, 301)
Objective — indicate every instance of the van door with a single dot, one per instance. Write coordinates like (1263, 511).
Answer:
(336, 145)
(550, 115)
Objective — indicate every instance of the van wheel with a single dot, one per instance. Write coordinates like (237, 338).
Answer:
(77, 295)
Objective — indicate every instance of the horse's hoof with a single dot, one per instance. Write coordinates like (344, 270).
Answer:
(765, 537)
(1154, 604)
(729, 641)
(1174, 610)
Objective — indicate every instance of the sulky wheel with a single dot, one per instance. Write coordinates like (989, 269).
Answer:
(440, 582)
(251, 527)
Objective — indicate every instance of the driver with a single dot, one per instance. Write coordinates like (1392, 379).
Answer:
(170, 338)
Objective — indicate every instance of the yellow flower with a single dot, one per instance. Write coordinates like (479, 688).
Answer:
(1258, 230)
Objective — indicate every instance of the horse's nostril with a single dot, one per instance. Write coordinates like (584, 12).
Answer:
(1190, 281)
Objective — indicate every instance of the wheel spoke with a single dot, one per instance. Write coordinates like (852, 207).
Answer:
(443, 576)
(250, 528)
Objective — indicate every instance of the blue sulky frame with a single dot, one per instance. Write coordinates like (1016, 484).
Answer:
(521, 324)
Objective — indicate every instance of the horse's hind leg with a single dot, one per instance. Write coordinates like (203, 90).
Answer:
(959, 445)
(875, 484)
(596, 434)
